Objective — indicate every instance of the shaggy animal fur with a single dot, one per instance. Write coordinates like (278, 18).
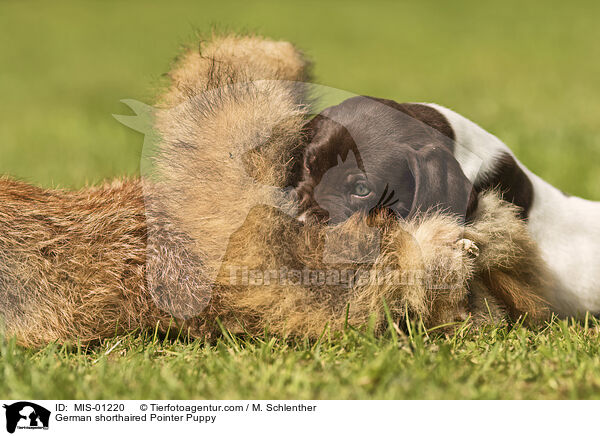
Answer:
(72, 263)
(419, 271)
(172, 250)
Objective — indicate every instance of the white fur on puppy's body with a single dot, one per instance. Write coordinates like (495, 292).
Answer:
(567, 229)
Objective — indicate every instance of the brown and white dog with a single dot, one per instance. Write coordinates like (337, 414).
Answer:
(367, 154)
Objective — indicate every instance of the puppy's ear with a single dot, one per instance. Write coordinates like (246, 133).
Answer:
(440, 183)
(312, 127)
(298, 166)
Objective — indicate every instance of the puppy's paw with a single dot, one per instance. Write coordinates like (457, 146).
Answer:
(468, 247)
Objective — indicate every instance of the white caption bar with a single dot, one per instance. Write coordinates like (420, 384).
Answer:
(296, 417)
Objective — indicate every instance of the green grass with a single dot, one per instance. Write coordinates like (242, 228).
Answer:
(525, 71)
(559, 361)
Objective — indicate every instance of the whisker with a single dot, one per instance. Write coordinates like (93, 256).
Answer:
(392, 203)
(389, 197)
(382, 195)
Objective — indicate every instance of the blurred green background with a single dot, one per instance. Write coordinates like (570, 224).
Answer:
(528, 72)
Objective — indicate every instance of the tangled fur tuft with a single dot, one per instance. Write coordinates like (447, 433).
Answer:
(210, 234)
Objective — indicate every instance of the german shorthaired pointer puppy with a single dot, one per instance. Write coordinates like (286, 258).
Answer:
(369, 154)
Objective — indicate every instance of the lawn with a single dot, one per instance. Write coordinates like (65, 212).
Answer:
(526, 72)
(559, 361)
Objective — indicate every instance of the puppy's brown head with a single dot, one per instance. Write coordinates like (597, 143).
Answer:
(369, 154)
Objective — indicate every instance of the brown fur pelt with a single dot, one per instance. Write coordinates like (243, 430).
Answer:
(193, 241)
(72, 264)
(420, 270)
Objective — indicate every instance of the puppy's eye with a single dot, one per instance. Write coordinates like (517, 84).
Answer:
(361, 189)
